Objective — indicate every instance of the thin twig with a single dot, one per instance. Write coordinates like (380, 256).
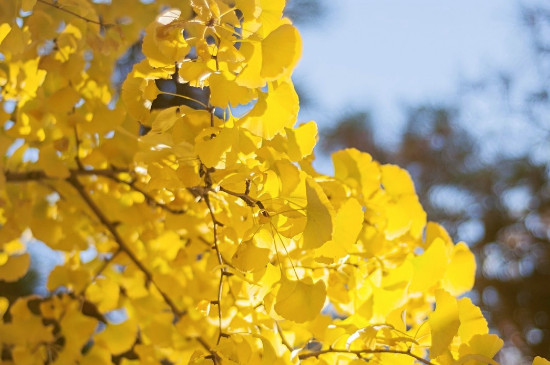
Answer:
(213, 356)
(283, 339)
(361, 352)
(77, 156)
(251, 202)
(73, 180)
(220, 261)
(58, 7)
(34, 175)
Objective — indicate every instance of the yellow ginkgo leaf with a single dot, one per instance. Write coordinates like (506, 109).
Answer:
(138, 95)
(250, 258)
(472, 321)
(165, 119)
(70, 278)
(429, 267)
(281, 50)
(195, 72)
(357, 170)
(460, 274)
(4, 304)
(104, 293)
(51, 163)
(164, 43)
(212, 148)
(270, 17)
(404, 214)
(250, 75)
(77, 329)
(118, 338)
(224, 92)
(540, 361)
(15, 267)
(5, 28)
(301, 140)
(268, 355)
(320, 215)
(435, 230)
(273, 112)
(444, 322)
(396, 181)
(347, 225)
(485, 345)
(300, 300)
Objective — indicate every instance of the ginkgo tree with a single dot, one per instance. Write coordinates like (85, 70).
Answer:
(211, 238)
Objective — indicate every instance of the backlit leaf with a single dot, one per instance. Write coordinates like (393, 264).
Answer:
(118, 338)
(300, 300)
(319, 214)
(444, 322)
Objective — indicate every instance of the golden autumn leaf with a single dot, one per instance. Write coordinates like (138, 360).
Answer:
(273, 112)
(319, 215)
(301, 140)
(249, 257)
(15, 267)
(348, 222)
(444, 322)
(429, 267)
(118, 338)
(460, 274)
(540, 361)
(472, 321)
(281, 50)
(300, 300)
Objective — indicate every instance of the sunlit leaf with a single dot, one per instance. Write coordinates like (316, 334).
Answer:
(320, 216)
(444, 322)
(118, 338)
(300, 300)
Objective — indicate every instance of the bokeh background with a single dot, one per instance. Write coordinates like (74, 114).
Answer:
(458, 94)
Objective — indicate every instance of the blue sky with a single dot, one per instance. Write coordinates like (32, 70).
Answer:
(385, 55)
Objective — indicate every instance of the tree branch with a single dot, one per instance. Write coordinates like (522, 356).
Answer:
(223, 271)
(88, 20)
(251, 202)
(360, 352)
(36, 175)
(73, 180)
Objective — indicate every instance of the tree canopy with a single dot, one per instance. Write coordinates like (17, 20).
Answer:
(210, 238)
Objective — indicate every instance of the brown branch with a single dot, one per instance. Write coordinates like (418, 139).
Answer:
(88, 20)
(361, 352)
(35, 175)
(213, 356)
(223, 270)
(77, 156)
(251, 202)
(148, 198)
(111, 227)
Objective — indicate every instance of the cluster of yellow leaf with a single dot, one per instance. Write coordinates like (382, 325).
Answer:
(213, 239)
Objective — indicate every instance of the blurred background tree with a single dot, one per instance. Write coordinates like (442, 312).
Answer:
(499, 203)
